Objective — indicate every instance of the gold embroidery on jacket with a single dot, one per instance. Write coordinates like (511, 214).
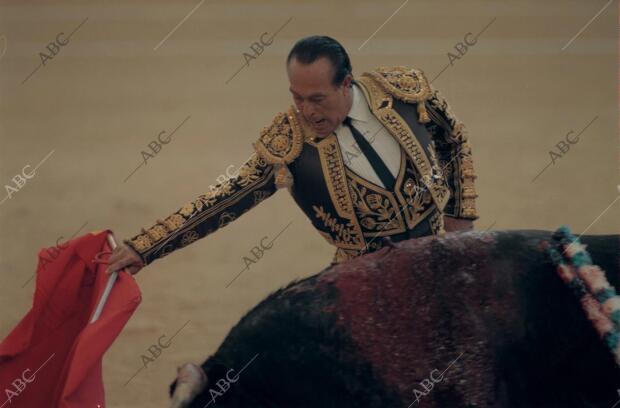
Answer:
(254, 174)
(189, 237)
(437, 179)
(249, 174)
(377, 210)
(283, 176)
(282, 141)
(335, 178)
(437, 223)
(345, 234)
(413, 194)
(407, 84)
(342, 255)
(380, 103)
(461, 166)
(260, 195)
(226, 218)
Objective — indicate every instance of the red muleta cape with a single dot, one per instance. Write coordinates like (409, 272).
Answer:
(52, 358)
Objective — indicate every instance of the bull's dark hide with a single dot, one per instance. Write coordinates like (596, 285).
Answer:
(488, 308)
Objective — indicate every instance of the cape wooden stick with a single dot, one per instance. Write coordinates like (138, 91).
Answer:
(108, 286)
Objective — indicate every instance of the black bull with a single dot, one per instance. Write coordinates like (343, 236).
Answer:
(466, 319)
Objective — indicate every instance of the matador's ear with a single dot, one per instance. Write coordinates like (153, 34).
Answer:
(282, 141)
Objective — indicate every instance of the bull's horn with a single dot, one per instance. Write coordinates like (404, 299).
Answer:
(191, 380)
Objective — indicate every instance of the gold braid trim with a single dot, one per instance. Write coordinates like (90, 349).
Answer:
(208, 212)
(381, 105)
(406, 84)
(456, 133)
(282, 141)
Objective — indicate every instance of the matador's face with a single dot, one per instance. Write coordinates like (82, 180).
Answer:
(323, 105)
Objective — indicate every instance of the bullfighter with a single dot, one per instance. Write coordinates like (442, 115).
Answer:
(370, 160)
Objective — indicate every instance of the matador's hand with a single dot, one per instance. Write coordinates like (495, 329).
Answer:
(124, 257)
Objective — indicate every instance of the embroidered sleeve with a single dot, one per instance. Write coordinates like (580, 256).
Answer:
(208, 212)
(455, 158)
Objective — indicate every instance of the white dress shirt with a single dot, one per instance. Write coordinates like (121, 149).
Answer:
(377, 135)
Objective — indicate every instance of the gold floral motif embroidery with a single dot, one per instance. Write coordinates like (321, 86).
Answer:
(142, 243)
(437, 176)
(260, 195)
(345, 233)
(376, 210)
(416, 195)
(157, 232)
(189, 237)
(463, 171)
(413, 194)
(383, 212)
(468, 195)
(380, 103)
(154, 242)
(282, 141)
(331, 154)
(435, 167)
(249, 172)
(335, 177)
(187, 210)
(175, 221)
(407, 84)
(437, 223)
(456, 128)
(226, 218)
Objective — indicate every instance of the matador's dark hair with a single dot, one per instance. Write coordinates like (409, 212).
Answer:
(309, 49)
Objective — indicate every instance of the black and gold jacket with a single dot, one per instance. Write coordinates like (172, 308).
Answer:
(436, 176)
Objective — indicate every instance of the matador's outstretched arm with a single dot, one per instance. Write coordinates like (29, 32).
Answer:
(208, 212)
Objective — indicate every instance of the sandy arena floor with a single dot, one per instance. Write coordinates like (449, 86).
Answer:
(131, 71)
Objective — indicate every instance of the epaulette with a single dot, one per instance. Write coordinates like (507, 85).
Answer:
(282, 141)
(406, 84)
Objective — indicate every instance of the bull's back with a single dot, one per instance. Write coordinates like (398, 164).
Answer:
(466, 319)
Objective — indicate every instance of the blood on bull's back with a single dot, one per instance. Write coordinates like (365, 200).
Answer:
(466, 319)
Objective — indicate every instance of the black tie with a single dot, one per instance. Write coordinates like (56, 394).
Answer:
(375, 161)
